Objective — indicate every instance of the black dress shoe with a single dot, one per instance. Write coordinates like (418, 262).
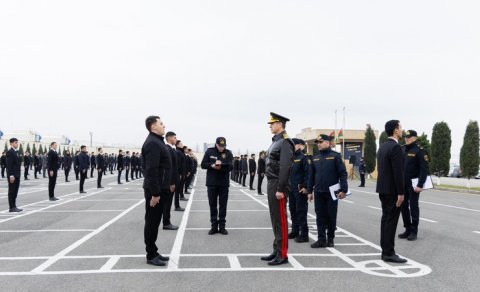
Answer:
(319, 244)
(330, 242)
(170, 227)
(162, 258)
(394, 259)
(127, 181)
(270, 257)
(278, 261)
(120, 183)
(300, 239)
(83, 192)
(260, 194)
(187, 193)
(252, 189)
(293, 235)
(180, 209)
(53, 199)
(99, 187)
(183, 199)
(213, 231)
(15, 210)
(412, 237)
(404, 235)
(156, 262)
(223, 231)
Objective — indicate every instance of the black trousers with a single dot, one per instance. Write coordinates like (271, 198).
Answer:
(13, 192)
(218, 199)
(67, 171)
(410, 210)
(388, 227)
(99, 178)
(77, 172)
(92, 168)
(119, 175)
(252, 178)
(167, 207)
(178, 193)
(25, 173)
(260, 181)
(52, 181)
(326, 211)
(153, 217)
(298, 205)
(3, 171)
(127, 172)
(243, 179)
(83, 176)
(132, 173)
(362, 179)
(278, 216)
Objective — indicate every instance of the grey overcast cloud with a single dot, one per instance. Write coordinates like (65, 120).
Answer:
(217, 68)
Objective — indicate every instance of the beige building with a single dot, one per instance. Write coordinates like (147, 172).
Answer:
(354, 144)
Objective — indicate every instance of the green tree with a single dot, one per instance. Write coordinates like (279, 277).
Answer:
(28, 148)
(6, 147)
(34, 149)
(20, 152)
(370, 150)
(440, 150)
(383, 137)
(469, 156)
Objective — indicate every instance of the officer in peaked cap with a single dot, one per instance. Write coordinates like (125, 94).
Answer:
(416, 166)
(278, 165)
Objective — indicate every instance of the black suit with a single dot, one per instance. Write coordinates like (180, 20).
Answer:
(173, 181)
(119, 166)
(252, 167)
(158, 171)
(13, 169)
(182, 171)
(83, 167)
(390, 184)
(261, 174)
(52, 166)
(101, 168)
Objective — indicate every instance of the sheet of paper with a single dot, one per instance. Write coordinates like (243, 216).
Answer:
(426, 186)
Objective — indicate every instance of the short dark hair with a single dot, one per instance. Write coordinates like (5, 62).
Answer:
(128, 152)
(252, 155)
(391, 126)
(51, 144)
(150, 121)
(13, 140)
(83, 147)
(170, 134)
(99, 148)
(119, 151)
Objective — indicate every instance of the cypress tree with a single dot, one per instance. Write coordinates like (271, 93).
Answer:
(20, 152)
(370, 150)
(440, 150)
(469, 156)
(34, 149)
(383, 137)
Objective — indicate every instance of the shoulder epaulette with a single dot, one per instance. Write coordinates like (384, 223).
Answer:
(285, 136)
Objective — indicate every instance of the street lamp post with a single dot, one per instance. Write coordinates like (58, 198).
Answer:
(91, 139)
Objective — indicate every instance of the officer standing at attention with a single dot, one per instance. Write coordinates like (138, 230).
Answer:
(362, 170)
(252, 167)
(328, 169)
(261, 172)
(3, 163)
(279, 162)
(13, 165)
(298, 200)
(218, 161)
(52, 167)
(244, 166)
(93, 164)
(101, 166)
(83, 166)
(416, 166)
(67, 164)
(127, 161)
(120, 165)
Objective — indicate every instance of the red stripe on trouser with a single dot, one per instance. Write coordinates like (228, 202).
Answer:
(283, 222)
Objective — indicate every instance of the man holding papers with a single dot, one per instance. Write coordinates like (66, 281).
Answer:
(328, 170)
(416, 168)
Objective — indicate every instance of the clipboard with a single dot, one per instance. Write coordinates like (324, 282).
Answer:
(426, 186)
(334, 190)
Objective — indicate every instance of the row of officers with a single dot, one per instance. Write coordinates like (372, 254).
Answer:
(292, 174)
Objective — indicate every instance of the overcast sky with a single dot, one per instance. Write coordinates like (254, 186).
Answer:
(217, 68)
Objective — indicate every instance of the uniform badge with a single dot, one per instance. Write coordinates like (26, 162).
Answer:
(224, 155)
(426, 157)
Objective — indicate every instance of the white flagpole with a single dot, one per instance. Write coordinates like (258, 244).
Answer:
(343, 135)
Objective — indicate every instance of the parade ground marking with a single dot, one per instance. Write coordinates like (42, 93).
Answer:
(366, 262)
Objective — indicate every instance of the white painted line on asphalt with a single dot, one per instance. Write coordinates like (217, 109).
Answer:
(79, 211)
(108, 266)
(234, 228)
(22, 258)
(177, 246)
(47, 230)
(376, 208)
(41, 268)
(208, 211)
(478, 232)
(234, 262)
(450, 206)
(428, 220)
(112, 200)
(295, 264)
(347, 201)
(53, 205)
(228, 200)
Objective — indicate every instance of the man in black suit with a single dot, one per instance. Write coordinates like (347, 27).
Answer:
(244, 167)
(189, 162)
(67, 164)
(93, 164)
(3, 163)
(100, 167)
(127, 161)
(52, 168)
(171, 141)
(252, 167)
(12, 161)
(133, 163)
(391, 188)
(261, 172)
(120, 165)
(76, 165)
(26, 164)
(182, 170)
(83, 166)
(36, 164)
(157, 185)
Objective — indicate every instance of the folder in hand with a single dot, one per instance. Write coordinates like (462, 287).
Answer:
(335, 189)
